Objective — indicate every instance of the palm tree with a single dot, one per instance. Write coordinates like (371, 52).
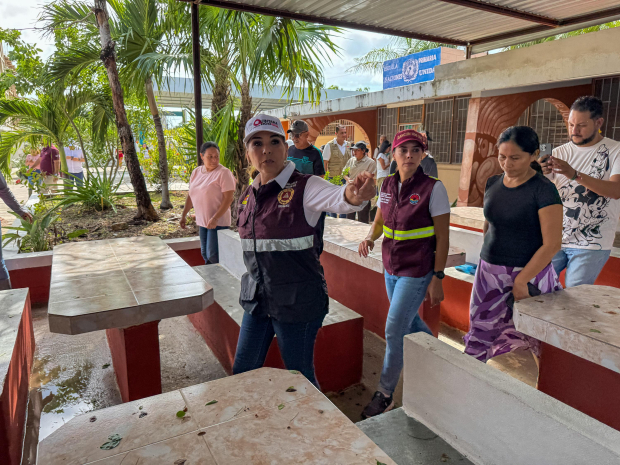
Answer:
(140, 28)
(254, 51)
(578, 32)
(398, 47)
(48, 118)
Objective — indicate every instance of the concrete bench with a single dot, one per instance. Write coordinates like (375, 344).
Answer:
(339, 350)
(16, 353)
(251, 418)
(457, 288)
(492, 418)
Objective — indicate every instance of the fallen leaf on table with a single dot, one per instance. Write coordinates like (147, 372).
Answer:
(594, 331)
(180, 414)
(140, 408)
(380, 463)
(113, 441)
(107, 365)
(280, 407)
(612, 312)
(93, 419)
(291, 389)
(211, 402)
(295, 372)
(142, 415)
(180, 461)
(596, 306)
(185, 409)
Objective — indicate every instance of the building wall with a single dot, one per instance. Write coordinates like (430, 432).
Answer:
(450, 176)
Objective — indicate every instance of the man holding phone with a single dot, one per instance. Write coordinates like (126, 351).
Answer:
(586, 172)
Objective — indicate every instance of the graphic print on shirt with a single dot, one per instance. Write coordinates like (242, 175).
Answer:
(584, 210)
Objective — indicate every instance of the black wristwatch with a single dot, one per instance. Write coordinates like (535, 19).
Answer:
(439, 274)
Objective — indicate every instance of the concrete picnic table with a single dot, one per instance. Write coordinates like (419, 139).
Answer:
(125, 286)
(579, 328)
(359, 282)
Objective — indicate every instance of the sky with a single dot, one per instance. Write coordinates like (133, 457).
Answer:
(22, 14)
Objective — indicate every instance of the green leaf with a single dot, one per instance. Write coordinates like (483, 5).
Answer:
(380, 463)
(291, 389)
(180, 414)
(77, 233)
(211, 402)
(594, 331)
(113, 441)
(280, 407)
(106, 365)
(596, 306)
(295, 372)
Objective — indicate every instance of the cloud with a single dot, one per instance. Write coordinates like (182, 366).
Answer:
(22, 14)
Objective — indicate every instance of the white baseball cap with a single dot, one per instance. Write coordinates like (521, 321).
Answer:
(262, 122)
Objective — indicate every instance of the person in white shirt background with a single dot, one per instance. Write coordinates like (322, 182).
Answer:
(586, 172)
(382, 139)
(75, 158)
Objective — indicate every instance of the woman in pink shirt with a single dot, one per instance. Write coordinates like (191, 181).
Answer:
(211, 189)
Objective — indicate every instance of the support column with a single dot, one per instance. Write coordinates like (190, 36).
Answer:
(135, 356)
(197, 78)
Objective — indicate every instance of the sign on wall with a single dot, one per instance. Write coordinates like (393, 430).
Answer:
(418, 67)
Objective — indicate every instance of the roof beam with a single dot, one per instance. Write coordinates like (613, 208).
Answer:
(505, 11)
(327, 21)
(573, 21)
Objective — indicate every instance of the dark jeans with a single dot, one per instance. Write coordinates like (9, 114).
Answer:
(363, 216)
(208, 244)
(295, 340)
(336, 215)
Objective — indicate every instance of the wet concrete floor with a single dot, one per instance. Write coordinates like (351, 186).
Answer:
(73, 374)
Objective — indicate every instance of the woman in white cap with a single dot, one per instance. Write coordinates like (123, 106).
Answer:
(413, 213)
(284, 290)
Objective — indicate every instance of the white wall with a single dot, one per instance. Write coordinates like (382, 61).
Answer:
(493, 418)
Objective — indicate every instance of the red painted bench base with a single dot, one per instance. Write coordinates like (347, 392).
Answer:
(363, 291)
(585, 386)
(135, 355)
(14, 397)
(338, 353)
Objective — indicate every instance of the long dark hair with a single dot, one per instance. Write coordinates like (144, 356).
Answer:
(525, 138)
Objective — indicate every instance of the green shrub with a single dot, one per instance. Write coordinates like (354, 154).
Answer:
(97, 193)
(36, 238)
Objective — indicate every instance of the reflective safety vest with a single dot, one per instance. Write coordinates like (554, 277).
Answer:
(281, 253)
(409, 235)
(337, 160)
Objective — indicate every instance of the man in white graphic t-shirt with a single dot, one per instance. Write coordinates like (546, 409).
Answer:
(586, 172)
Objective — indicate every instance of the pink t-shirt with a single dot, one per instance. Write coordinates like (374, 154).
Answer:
(206, 189)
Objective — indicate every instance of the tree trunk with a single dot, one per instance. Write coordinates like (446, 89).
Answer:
(143, 199)
(221, 88)
(161, 146)
(241, 162)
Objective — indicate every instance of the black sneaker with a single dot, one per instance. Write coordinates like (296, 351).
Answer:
(379, 404)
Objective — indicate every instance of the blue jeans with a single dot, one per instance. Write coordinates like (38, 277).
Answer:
(4, 273)
(582, 266)
(295, 340)
(336, 215)
(208, 244)
(78, 180)
(406, 295)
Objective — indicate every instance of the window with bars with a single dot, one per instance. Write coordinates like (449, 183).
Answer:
(445, 120)
(330, 129)
(411, 114)
(608, 90)
(547, 121)
(438, 122)
(388, 123)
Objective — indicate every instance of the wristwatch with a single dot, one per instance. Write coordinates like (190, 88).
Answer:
(439, 274)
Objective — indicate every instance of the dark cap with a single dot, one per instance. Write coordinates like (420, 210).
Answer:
(360, 145)
(298, 127)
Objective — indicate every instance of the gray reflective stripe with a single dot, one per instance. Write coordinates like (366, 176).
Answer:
(278, 245)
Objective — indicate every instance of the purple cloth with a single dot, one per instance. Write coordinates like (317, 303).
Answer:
(491, 328)
(48, 155)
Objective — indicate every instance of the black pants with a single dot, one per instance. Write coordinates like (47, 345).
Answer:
(363, 216)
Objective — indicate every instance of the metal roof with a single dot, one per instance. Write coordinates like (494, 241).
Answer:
(179, 93)
(481, 25)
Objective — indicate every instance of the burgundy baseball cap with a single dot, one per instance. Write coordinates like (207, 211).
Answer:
(409, 135)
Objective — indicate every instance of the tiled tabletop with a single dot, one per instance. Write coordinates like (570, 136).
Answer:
(342, 238)
(472, 217)
(122, 282)
(582, 320)
(266, 416)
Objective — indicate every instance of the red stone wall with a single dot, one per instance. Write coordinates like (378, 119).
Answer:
(487, 118)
